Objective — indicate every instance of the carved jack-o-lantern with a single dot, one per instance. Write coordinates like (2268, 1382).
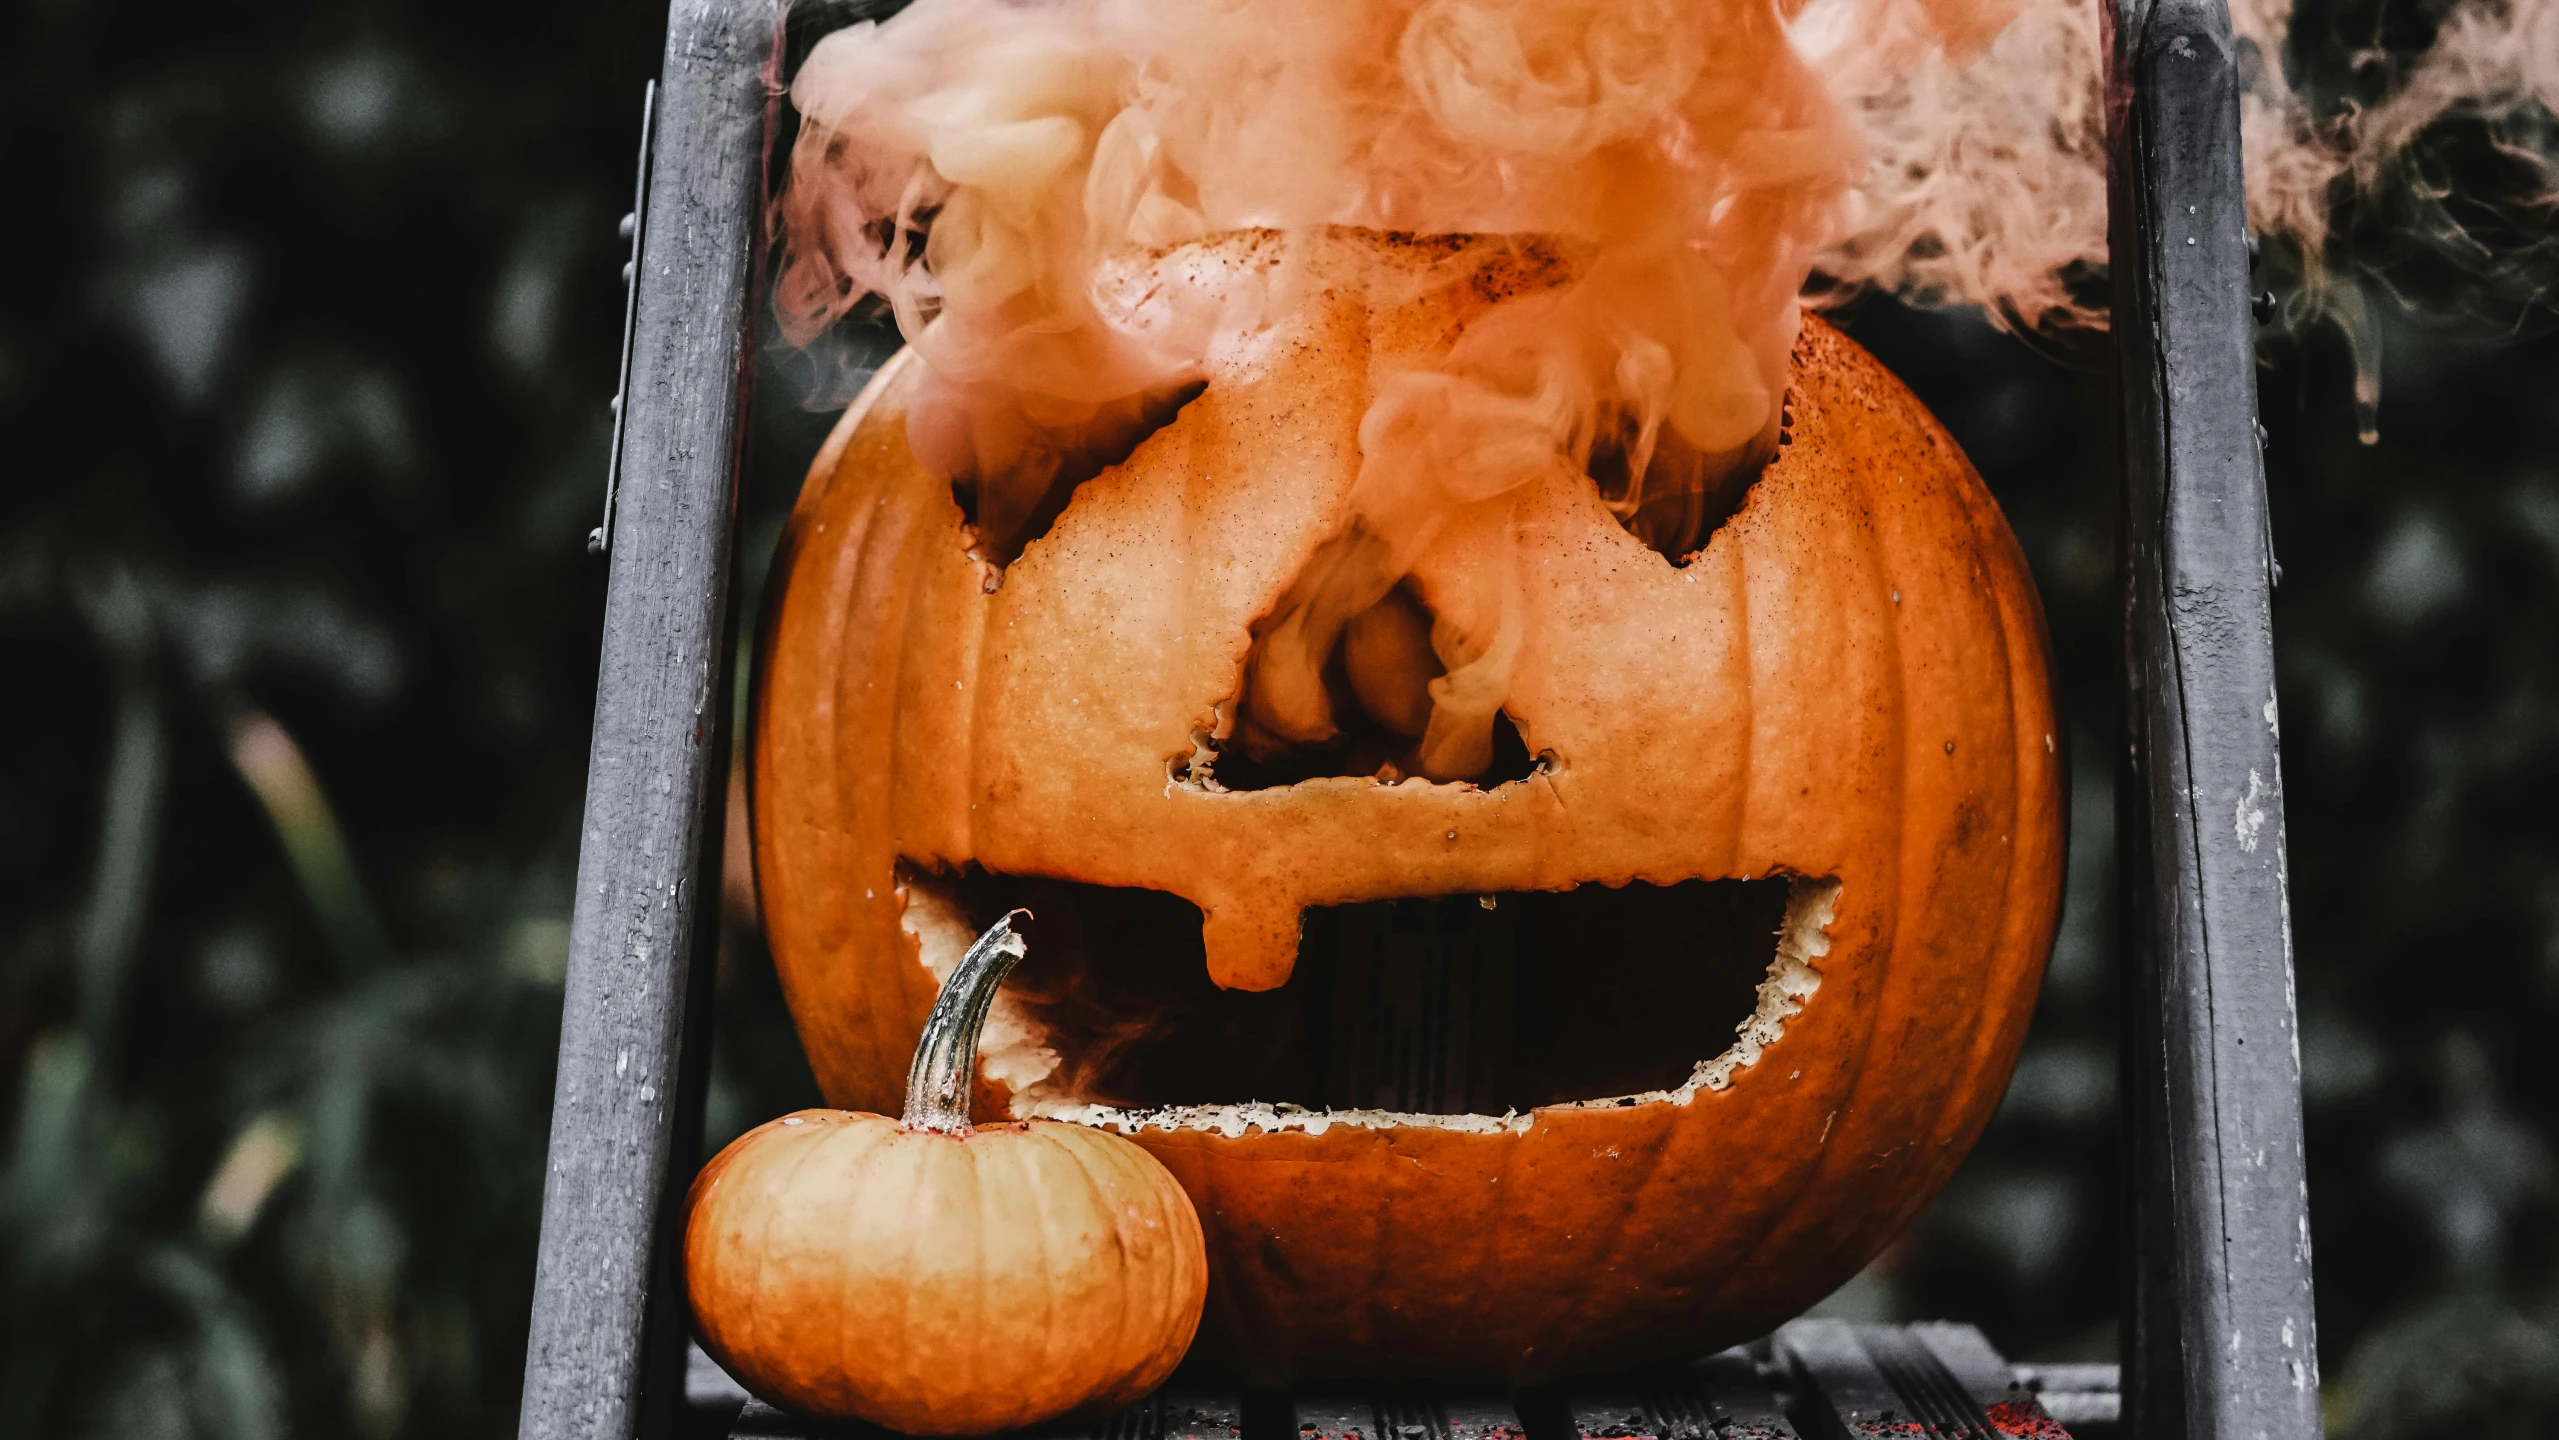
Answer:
(1640, 1041)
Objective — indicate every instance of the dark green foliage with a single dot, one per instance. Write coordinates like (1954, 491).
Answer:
(302, 362)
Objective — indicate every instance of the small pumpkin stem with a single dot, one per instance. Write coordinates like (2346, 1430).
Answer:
(939, 1083)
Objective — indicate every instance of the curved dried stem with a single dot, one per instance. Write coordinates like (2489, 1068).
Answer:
(938, 1084)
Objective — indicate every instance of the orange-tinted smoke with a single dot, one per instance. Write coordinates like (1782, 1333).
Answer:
(1985, 179)
(985, 166)
(981, 164)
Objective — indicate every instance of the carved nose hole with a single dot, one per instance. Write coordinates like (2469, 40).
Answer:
(1345, 681)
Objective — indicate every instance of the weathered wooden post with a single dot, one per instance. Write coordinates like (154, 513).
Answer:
(605, 1357)
(2217, 1315)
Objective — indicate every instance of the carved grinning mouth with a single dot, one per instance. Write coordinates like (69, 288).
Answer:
(1465, 1013)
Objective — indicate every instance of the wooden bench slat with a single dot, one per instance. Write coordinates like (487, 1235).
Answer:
(1860, 1381)
(1840, 1382)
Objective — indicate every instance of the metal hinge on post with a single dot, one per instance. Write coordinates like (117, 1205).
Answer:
(633, 228)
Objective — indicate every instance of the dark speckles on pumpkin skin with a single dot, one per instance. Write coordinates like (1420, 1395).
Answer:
(1275, 1258)
(1966, 824)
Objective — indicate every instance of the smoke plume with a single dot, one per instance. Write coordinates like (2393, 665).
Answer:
(986, 169)
(1985, 178)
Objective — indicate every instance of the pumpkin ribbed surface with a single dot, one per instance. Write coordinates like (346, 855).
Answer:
(1847, 686)
(941, 1285)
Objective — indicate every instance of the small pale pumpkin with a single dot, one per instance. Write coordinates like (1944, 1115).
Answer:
(936, 1277)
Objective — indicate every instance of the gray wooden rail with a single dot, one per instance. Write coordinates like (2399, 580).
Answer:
(2217, 1316)
(2217, 1305)
(606, 1352)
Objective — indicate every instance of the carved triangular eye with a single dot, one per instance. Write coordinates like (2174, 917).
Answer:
(1009, 509)
(1667, 492)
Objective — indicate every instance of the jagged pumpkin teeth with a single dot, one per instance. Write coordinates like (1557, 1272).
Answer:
(1769, 826)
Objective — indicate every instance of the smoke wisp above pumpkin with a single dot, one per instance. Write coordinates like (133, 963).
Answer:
(1985, 173)
(996, 173)
(983, 167)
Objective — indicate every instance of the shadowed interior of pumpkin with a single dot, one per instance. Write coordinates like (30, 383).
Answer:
(1675, 521)
(1029, 504)
(1360, 747)
(1453, 1005)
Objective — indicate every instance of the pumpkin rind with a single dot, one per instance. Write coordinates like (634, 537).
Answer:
(1849, 683)
(942, 1285)
(936, 1277)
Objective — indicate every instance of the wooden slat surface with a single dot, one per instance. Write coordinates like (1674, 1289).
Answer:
(1405, 1415)
(1839, 1382)
(1863, 1382)
(1173, 1413)
(1722, 1397)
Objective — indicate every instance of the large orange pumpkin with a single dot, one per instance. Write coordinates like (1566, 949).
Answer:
(1634, 1048)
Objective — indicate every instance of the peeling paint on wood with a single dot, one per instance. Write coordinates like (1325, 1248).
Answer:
(2218, 1321)
(604, 1360)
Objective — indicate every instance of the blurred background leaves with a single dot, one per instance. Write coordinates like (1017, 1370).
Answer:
(302, 374)
(303, 362)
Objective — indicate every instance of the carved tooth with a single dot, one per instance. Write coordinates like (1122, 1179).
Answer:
(1252, 945)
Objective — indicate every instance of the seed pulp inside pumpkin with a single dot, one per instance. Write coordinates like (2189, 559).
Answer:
(1451, 1006)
